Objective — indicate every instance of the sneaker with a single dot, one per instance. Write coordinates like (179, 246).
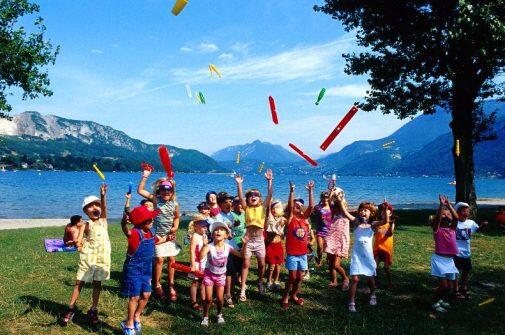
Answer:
(277, 286)
(444, 304)
(439, 308)
(138, 327)
(373, 300)
(205, 322)
(270, 286)
(243, 297)
(261, 288)
(126, 330)
(228, 300)
(352, 307)
(306, 276)
(220, 319)
(93, 317)
(69, 315)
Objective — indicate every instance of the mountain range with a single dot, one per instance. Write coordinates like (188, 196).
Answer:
(420, 147)
(36, 141)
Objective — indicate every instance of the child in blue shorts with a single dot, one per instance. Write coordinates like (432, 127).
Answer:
(137, 268)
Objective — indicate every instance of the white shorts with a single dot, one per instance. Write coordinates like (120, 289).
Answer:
(166, 249)
(443, 267)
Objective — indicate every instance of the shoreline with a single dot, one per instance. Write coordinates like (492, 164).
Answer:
(21, 223)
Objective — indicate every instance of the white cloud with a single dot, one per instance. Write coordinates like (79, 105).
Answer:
(115, 45)
(303, 63)
(96, 51)
(226, 57)
(240, 47)
(208, 47)
(185, 49)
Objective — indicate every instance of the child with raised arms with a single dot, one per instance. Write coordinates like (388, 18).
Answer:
(442, 262)
(166, 223)
(138, 266)
(94, 257)
(297, 237)
(216, 253)
(362, 259)
(255, 222)
(383, 244)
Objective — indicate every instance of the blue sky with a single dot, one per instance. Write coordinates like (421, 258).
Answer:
(126, 63)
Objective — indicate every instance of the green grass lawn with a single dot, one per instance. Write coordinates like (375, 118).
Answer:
(35, 287)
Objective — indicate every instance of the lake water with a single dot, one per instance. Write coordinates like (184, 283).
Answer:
(52, 194)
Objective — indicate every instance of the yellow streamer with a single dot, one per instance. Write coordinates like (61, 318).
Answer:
(457, 148)
(212, 67)
(98, 172)
(262, 165)
(486, 302)
(179, 6)
(238, 157)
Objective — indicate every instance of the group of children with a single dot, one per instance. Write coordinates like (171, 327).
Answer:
(229, 230)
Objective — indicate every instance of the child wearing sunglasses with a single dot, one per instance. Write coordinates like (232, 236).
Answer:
(255, 221)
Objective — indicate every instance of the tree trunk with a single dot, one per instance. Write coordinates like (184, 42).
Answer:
(462, 126)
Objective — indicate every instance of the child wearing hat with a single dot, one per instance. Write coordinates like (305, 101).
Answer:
(216, 254)
(94, 258)
(137, 268)
(464, 231)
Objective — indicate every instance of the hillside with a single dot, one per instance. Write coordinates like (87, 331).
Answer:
(36, 141)
(256, 151)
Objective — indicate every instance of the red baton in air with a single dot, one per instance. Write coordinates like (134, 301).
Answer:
(303, 154)
(273, 110)
(339, 127)
(185, 268)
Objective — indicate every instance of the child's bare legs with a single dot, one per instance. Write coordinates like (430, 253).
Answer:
(371, 285)
(209, 291)
(171, 276)
(75, 293)
(464, 280)
(354, 286)
(144, 298)
(157, 270)
(277, 272)
(261, 268)
(296, 285)
(320, 247)
(289, 285)
(133, 303)
(388, 274)
(338, 266)
(245, 271)
(333, 270)
(271, 268)
(443, 289)
(220, 299)
(193, 292)
(97, 287)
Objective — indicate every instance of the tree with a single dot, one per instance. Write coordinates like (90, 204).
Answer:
(22, 56)
(420, 54)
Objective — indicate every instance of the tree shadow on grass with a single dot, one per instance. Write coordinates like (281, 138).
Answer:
(57, 310)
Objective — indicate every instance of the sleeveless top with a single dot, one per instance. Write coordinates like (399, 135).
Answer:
(217, 259)
(297, 236)
(164, 221)
(255, 217)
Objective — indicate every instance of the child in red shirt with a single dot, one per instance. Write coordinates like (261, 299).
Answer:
(297, 237)
(137, 268)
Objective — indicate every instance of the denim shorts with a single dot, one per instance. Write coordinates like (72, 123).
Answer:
(294, 263)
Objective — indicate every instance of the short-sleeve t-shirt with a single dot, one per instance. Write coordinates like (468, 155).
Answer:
(238, 229)
(464, 233)
(134, 240)
(255, 216)
(297, 236)
(217, 259)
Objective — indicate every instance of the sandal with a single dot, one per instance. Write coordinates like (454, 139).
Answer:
(160, 293)
(173, 295)
(93, 317)
(284, 305)
(196, 307)
(332, 285)
(345, 285)
(298, 301)
(69, 315)
(242, 296)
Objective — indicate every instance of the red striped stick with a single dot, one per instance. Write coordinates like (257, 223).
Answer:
(303, 154)
(165, 161)
(187, 269)
(339, 127)
(273, 110)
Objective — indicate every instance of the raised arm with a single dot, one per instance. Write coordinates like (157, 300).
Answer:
(103, 204)
(269, 176)
(192, 254)
(239, 180)
(142, 184)
(310, 188)
(341, 204)
(291, 200)
(386, 214)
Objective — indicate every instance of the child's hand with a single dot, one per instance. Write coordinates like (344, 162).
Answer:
(103, 189)
(245, 239)
(146, 173)
(310, 185)
(269, 175)
(193, 267)
(291, 186)
(238, 179)
(205, 239)
(172, 182)
(171, 237)
(443, 200)
(128, 196)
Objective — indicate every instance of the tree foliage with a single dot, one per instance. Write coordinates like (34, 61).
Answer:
(418, 51)
(23, 55)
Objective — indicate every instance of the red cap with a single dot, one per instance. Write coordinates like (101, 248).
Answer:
(141, 214)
